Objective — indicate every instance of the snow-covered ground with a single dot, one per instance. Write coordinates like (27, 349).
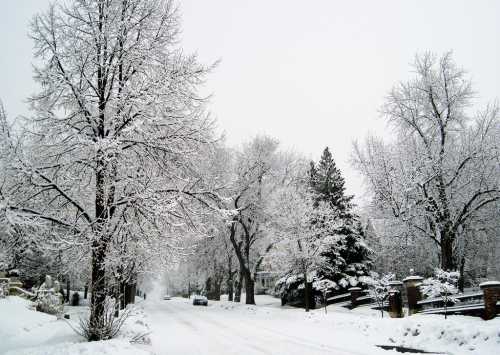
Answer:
(177, 327)
(24, 331)
(230, 328)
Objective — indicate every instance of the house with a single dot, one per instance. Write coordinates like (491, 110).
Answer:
(265, 281)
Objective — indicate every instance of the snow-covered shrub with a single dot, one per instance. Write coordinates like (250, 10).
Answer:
(50, 302)
(107, 327)
(443, 285)
(48, 298)
(378, 286)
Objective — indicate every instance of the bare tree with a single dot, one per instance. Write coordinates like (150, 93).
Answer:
(300, 243)
(117, 137)
(442, 170)
(259, 169)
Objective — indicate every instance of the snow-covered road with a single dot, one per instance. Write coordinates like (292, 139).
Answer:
(181, 328)
(222, 328)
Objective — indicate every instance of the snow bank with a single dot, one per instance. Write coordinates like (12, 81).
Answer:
(457, 334)
(17, 315)
(25, 331)
(109, 347)
(22, 327)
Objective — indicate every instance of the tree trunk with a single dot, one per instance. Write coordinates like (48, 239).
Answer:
(249, 288)
(121, 288)
(230, 279)
(306, 293)
(133, 291)
(217, 289)
(230, 288)
(98, 291)
(237, 293)
(100, 244)
(129, 294)
(67, 289)
(208, 288)
(461, 280)
(117, 300)
(447, 258)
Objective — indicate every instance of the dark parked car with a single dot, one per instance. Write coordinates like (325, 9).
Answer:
(200, 301)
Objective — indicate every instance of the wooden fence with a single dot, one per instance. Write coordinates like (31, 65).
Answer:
(471, 303)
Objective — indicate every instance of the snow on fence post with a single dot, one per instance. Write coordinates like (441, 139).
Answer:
(395, 299)
(413, 293)
(355, 292)
(396, 285)
(491, 295)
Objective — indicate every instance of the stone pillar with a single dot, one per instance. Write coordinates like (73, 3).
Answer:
(491, 295)
(395, 304)
(4, 286)
(356, 292)
(396, 285)
(412, 284)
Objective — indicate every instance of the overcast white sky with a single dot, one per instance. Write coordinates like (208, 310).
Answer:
(310, 73)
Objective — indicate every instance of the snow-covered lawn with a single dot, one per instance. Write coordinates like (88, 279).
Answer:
(177, 327)
(24, 331)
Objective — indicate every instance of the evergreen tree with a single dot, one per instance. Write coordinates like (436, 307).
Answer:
(327, 183)
(344, 246)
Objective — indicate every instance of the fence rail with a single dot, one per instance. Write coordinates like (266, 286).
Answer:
(470, 303)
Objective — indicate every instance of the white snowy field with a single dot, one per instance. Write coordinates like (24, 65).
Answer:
(223, 328)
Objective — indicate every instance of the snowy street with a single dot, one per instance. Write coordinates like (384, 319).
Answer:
(176, 327)
(181, 328)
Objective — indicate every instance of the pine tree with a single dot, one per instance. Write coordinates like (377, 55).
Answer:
(340, 257)
(327, 183)
(345, 249)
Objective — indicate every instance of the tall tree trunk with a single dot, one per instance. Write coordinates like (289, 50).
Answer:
(237, 293)
(306, 292)
(230, 278)
(117, 297)
(461, 280)
(448, 262)
(129, 293)
(67, 289)
(249, 288)
(208, 288)
(217, 289)
(123, 301)
(98, 291)
(230, 287)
